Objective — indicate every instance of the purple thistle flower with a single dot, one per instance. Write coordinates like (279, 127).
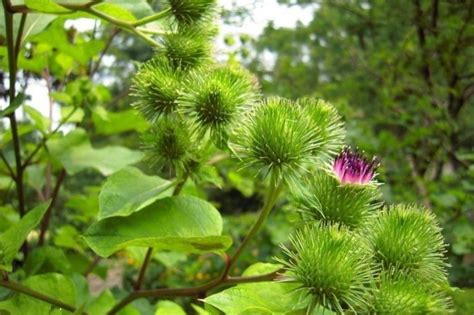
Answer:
(353, 168)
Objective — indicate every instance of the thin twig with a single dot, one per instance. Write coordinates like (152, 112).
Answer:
(35, 294)
(192, 291)
(47, 216)
(141, 275)
(45, 138)
(9, 168)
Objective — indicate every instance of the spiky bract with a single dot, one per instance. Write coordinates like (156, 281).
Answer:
(407, 238)
(187, 12)
(399, 295)
(186, 49)
(169, 143)
(277, 138)
(325, 199)
(156, 87)
(328, 123)
(332, 264)
(217, 99)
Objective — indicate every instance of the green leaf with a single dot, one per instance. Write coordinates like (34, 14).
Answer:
(108, 123)
(68, 237)
(115, 11)
(52, 284)
(259, 298)
(12, 239)
(102, 304)
(130, 190)
(46, 6)
(75, 153)
(72, 114)
(46, 259)
(13, 106)
(41, 122)
(35, 23)
(185, 224)
(169, 308)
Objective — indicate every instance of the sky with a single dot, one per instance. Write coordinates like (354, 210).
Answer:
(262, 12)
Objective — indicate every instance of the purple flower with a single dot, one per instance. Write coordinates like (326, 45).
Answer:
(353, 168)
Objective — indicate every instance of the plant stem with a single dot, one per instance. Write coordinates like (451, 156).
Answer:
(152, 17)
(270, 200)
(141, 275)
(11, 95)
(192, 291)
(37, 295)
(45, 138)
(149, 252)
(47, 216)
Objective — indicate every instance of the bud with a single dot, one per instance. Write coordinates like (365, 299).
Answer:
(399, 294)
(407, 238)
(186, 12)
(353, 168)
(328, 123)
(169, 143)
(216, 100)
(186, 49)
(325, 199)
(277, 138)
(156, 87)
(333, 265)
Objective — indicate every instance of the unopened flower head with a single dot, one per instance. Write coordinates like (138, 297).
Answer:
(351, 167)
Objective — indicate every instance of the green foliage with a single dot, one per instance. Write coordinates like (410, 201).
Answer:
(76, 154)
(331, 265)
(53, 284)
(12, 239)
(179, 223)
(129, 190)
(158, 222)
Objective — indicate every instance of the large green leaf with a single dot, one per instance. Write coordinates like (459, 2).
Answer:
(183, 223)
(12, 239)
(52, 284)
(34, 23)
(108, 123)
(260, 298)
(75, 153)
(130, 190)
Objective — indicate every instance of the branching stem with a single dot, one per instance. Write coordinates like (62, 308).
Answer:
(35, 294)
(223, 278)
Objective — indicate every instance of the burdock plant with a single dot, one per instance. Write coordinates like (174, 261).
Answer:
(347, 253)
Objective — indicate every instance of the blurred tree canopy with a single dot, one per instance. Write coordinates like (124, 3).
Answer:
(402, 73)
